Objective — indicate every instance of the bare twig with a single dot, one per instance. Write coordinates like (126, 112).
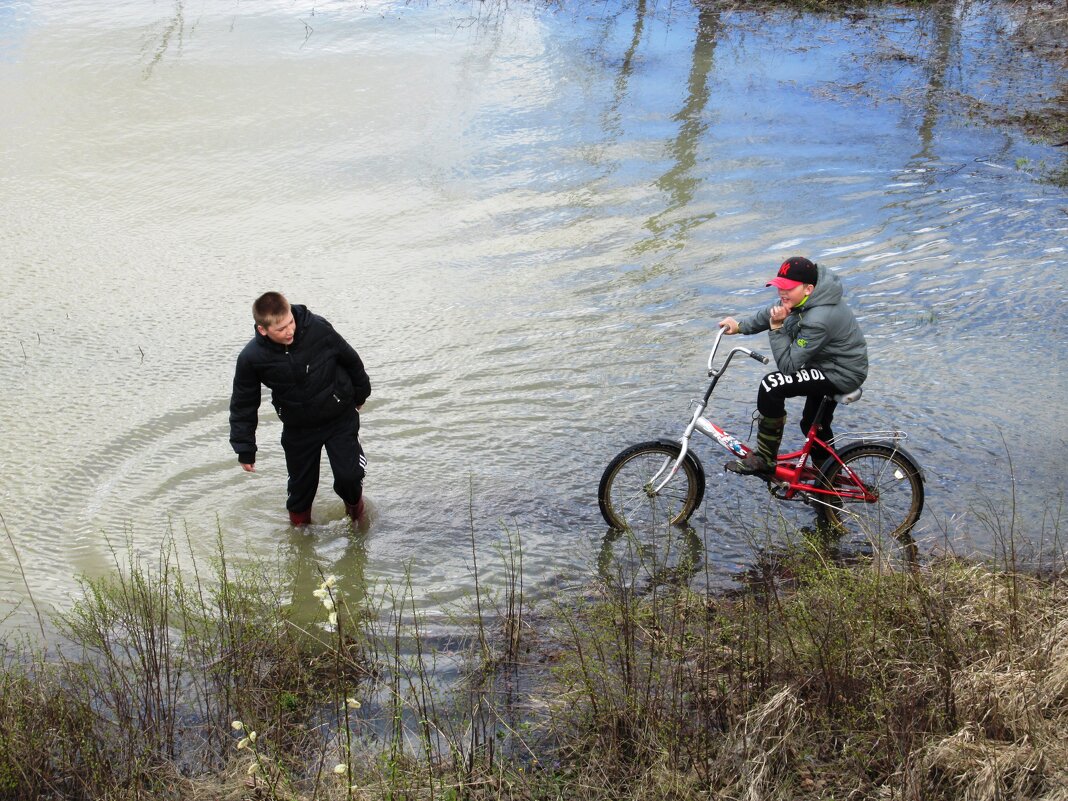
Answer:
(22, 572)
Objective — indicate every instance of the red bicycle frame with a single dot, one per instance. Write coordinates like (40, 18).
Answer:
(794, 475)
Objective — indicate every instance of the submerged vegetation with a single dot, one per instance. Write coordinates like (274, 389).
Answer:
(817, 679)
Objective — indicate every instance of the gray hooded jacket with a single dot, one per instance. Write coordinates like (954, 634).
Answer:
(822, 333)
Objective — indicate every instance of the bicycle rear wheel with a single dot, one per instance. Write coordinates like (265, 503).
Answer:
(626, 495)
(893, 480)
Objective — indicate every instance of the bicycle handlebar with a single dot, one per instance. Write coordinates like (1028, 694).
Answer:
(760, 357)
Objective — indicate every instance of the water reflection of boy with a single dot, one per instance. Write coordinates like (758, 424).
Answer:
(819, 350)
(318, 385)
(308, 569)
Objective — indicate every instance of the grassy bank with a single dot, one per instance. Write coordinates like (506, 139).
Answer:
(826, 681)
(818, 679)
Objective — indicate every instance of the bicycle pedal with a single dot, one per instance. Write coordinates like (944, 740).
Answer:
(777, 486)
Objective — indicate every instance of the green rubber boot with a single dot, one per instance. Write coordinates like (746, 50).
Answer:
(761, 460)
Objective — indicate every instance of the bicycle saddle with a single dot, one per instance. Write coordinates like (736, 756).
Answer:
(849, 397)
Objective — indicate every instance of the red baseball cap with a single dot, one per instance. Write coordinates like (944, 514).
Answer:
(795, 271)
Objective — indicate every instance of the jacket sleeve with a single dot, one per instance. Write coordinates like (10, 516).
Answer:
(244, 411)
(793, 352)
(351, 363)
(756, 322)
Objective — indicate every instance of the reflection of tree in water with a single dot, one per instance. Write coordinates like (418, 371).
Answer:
(682, 179)
(946, 41)
(681, 182)
(935, 70)
(947, 84)
(173, 28)
(612, 115)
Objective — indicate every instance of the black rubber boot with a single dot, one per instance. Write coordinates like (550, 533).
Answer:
(761, 460)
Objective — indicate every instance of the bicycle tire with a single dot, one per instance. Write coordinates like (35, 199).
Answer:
(896, 480)
(624, 492)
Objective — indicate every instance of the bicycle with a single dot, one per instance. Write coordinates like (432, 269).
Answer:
(871, 483)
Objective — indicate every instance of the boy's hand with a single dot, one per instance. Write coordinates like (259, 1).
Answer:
(730, 324)
(248, 468)
(778, 313)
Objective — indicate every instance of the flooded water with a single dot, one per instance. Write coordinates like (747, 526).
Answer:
(527, 221)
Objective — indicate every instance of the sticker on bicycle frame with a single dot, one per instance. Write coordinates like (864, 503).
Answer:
(727, 441)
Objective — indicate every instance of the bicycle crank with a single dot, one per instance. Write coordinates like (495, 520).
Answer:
(778, 488)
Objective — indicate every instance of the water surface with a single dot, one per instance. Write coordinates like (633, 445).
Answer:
(527, 221)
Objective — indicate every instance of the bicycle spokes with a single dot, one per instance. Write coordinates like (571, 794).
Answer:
(633, 494)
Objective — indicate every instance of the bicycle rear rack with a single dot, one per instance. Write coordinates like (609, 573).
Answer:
(868, 436)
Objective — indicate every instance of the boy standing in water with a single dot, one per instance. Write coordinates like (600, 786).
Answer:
(819, 350)
(318, 385)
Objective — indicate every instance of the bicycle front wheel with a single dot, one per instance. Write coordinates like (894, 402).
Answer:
(894, 492)
(626, 493)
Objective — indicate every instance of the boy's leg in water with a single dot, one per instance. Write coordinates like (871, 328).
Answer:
(303, 448)
(348, 463)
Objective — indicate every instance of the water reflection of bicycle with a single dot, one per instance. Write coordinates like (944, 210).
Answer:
(627, 561)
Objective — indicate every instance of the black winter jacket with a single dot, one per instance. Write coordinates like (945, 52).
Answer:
(312, 381)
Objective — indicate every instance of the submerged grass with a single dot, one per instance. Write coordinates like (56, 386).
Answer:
(821, 680)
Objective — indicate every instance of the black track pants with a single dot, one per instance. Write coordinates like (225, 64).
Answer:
(809, 383)
(304, 448)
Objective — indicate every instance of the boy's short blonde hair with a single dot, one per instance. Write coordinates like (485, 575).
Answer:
(269, 309)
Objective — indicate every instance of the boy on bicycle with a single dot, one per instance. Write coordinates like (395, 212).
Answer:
(819, 350)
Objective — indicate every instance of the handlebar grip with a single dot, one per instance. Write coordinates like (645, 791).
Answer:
(760, 357)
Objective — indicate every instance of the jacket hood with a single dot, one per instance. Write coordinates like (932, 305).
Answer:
(828, 289)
